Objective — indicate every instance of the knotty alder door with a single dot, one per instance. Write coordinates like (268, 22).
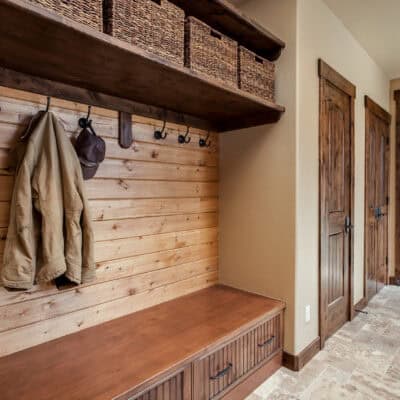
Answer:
(335, 200)
(377, 127)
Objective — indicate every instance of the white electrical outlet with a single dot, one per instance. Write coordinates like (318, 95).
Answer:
(308, 313)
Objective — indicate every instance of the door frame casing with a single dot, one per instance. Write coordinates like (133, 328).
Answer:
(396, 244)
(328, 74)
(372, 107)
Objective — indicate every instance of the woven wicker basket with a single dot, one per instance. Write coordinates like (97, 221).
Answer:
(256, 74)
(157, 26)
(209, 52)
(87, 12)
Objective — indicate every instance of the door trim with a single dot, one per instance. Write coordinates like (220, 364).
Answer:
(381, 113)
(396, 279)
(376, 109)
(327, 73)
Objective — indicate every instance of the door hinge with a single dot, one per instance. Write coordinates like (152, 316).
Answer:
(387, 260)
(387, 200)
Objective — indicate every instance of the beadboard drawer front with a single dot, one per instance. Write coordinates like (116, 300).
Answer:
(268, 339)
(218, 372)
(177, 387)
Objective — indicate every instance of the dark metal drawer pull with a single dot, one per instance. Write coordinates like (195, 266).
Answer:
(220, 374)
(268, 341)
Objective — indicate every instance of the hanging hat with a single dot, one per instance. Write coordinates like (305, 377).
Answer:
(91, 150)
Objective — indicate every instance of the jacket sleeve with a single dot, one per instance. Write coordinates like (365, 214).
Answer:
(46, 181)
(78, 233)
(20, 251)
(88, 263)
(79, 241)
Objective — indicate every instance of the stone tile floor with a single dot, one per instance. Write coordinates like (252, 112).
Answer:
(360, 362)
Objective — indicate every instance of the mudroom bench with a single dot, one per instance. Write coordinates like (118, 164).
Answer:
(217, 343)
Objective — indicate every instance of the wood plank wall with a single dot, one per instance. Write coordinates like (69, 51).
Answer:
(155, 213)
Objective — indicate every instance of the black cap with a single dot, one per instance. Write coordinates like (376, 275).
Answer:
(91, 150)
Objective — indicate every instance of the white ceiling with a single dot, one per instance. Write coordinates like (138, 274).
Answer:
(376, 25)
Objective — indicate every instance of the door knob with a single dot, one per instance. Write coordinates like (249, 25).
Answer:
(378, 213)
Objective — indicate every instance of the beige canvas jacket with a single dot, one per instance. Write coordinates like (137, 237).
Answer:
(50, 232)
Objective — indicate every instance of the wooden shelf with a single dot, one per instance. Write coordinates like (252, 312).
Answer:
(226, 18)
(45, 45)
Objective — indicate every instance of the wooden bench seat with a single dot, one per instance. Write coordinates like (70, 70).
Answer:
(202, 346)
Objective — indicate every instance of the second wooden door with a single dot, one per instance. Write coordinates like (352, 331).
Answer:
(376, 197)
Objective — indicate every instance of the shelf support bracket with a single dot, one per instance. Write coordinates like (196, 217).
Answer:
(125, 136)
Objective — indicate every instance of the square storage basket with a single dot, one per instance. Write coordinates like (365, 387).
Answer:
(256, 74)
(211, 53)
(157, 26)
(87, 12)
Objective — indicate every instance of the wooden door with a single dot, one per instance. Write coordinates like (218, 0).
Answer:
(336, 194)
(377, 126)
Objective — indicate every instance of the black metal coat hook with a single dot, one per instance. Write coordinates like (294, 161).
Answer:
(85, 122)
(205, 142)
(184, 139)
(48, 103)
(161, 135)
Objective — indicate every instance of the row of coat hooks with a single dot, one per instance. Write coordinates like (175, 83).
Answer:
(182, 139)
(125, 119)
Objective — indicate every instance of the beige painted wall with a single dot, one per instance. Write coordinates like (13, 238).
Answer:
(257, 191)
(269, 175)
(322, 35)
(394, 85)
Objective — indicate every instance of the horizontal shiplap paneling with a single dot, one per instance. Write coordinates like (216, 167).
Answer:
(31, 335)
(64, 302)
(155, 215)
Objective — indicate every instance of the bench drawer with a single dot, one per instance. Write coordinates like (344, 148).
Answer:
(221, 370)
(177, 387)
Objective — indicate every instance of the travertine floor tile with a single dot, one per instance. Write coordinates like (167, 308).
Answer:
(360, 362)
(254, 397)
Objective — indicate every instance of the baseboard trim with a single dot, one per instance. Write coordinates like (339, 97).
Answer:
(360, 305)
(394, 280)
(297, 362)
